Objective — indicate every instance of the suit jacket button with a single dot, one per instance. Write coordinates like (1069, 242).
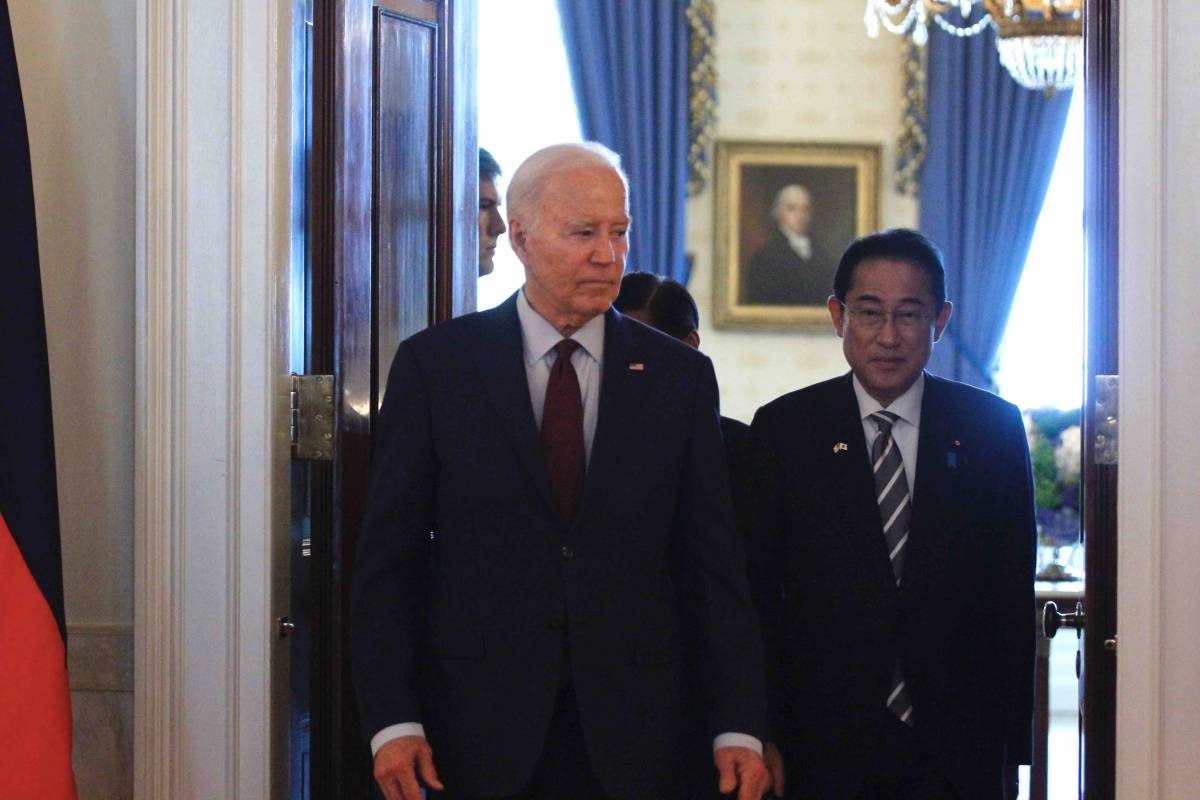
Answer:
(556, 624)
(567, 553)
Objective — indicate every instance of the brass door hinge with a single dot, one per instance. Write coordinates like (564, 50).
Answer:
(312, 417)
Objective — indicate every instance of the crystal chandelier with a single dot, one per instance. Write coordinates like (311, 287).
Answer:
(1040, 41)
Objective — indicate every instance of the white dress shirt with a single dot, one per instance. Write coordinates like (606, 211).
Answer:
(905, 431)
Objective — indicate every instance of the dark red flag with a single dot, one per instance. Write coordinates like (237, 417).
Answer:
(35, 707)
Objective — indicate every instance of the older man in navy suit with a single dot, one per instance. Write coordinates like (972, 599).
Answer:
(549, 523)
(894, 554)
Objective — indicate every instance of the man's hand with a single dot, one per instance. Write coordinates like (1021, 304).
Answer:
(743, 769)
(400, 762)
(774, 761)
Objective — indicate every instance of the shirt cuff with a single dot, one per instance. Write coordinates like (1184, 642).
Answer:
(395, 732)
(733, 740)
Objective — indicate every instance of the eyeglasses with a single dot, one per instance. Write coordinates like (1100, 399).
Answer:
(873, 319)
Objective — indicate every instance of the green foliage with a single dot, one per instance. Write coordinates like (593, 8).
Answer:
(1055, 455)
(1046, 490)
(1049, 423)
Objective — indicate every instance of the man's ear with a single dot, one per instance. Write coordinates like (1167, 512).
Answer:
(517, 235)
(693, 338)
(943, 319)
(837, 314)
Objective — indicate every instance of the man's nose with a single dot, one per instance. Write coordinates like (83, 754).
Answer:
(890, 332)
(496, 226)
(605, 252)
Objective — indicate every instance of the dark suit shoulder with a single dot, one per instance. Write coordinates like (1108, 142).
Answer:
(629, 338)
(734, 429)
(647, 336)
(467, 326)
(456, 342)
(819, 397)
(956, 398)
(736, 435)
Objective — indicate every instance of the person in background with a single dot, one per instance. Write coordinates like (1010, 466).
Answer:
(668, 306)
(892, 556)
(491, 222)
(545, 474)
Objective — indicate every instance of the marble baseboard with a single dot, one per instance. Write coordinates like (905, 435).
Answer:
(100, 669)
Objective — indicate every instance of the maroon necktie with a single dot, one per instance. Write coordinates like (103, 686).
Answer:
(562, 432)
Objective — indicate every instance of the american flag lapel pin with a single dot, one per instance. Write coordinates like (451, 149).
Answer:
(841, 447)
(637, 366)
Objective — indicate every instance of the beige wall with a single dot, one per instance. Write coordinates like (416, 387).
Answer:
(792, 72)
(77, 75)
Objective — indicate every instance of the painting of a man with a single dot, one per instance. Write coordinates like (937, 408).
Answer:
(783, 212)
(791, 268)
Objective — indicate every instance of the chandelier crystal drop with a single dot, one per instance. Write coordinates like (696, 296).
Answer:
(1040, 42)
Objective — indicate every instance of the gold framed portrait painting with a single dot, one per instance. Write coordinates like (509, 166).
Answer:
(784, 213)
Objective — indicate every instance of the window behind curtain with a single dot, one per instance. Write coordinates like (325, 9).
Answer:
(1041, 358)
(525, 103)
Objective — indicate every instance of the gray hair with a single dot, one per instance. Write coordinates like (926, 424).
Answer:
(525, 187)
(791, 187)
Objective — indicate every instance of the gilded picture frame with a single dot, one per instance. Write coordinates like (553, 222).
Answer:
(783, 214)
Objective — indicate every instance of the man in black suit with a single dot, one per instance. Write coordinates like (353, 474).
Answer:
(549, 513)
(893, 556)
(791, 268)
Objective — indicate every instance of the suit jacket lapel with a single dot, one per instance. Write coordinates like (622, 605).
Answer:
(851, 471)
(618, 402)
(937, 455)
(500, 358)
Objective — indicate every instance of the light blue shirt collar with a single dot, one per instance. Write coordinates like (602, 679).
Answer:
(538, 336)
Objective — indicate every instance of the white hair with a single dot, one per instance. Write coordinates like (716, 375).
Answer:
(527, 182)
(791, 188)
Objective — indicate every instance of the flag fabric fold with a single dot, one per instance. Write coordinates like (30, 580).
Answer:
(35, 706)
(35, 710)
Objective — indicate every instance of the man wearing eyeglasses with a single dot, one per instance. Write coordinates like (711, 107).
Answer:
(893, 556)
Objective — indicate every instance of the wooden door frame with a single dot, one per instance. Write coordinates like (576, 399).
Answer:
(1101, 152)
(342, 308)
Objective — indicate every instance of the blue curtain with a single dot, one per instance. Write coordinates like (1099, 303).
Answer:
(629, 69)
(992, 148)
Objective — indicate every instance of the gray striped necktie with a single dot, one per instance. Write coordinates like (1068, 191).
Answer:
(895, 509)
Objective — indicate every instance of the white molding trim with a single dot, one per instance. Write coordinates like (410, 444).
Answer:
(155, 689)
(212, 210)
(1141, 509)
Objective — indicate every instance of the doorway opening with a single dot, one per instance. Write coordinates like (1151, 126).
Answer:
(500, 69)
(539, 65)
(1040, 369)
